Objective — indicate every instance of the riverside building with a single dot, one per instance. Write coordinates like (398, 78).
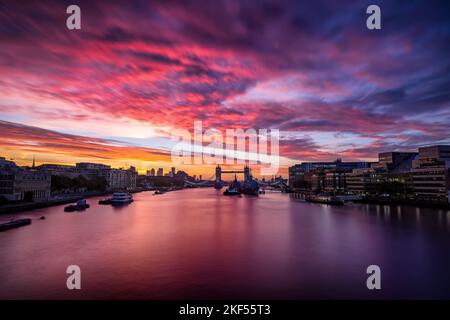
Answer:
(431, 174)
(23, 184)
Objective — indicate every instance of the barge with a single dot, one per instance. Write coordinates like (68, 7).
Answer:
(15, 224)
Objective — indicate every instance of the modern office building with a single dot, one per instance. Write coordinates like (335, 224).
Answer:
(316, 178)
(395, 162)
(160, 172)
(434, 153)
(328, 180)
(431, 174)
(323, 176)
(365, 181)
(337, 164)
(334, 181)
(391, 167)
(296, 174)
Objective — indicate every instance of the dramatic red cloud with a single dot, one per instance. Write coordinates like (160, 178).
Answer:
(136, 72)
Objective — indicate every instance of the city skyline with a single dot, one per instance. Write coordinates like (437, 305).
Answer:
(114, 91)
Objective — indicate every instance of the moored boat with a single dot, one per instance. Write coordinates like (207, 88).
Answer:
(232, 192)
(234, 189)
(14, 224)
(104, 201)
(79, 206)
(333, 200)
(120, 198)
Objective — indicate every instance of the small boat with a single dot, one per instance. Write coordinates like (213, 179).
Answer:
(81, 205)
(120, 198)
(158, 192)
(234, 189)
(232, 192)
(104, 201)
(42, 218)
(351, 197)
(14, 224)
(325, 199)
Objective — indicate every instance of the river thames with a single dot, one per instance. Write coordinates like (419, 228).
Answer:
(199, 244)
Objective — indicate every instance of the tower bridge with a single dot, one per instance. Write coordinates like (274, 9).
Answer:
(219, 172)
(217, 182)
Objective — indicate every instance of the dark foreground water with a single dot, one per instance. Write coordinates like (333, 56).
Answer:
(199, 244)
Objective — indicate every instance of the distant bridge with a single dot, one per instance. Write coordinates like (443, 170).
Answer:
(217, 179)
(203, 183)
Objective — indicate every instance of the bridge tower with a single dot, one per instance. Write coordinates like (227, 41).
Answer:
(218, 174)
(246, 173)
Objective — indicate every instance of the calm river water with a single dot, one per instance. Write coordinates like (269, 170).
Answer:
(196, 243)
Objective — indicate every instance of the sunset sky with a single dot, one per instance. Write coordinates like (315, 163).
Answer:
(114, 91)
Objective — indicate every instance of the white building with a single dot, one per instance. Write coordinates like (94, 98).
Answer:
(23, 184)
(121, 179)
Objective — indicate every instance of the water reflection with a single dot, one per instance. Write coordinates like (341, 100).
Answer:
(200, 244)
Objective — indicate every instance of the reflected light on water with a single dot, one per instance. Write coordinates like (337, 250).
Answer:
(197, 243)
